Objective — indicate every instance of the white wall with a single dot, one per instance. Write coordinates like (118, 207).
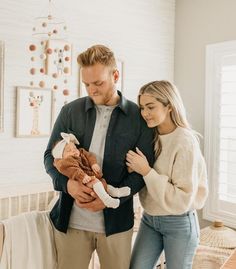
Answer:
(140, 32)
(198, 23)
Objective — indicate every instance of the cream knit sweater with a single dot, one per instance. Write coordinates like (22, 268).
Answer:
(178, 181)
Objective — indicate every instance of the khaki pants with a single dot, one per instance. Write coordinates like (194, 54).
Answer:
(75, 248)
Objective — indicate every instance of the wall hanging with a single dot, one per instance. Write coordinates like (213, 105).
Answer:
(50, 53)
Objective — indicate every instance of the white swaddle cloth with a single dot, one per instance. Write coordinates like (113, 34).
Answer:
(28, 242)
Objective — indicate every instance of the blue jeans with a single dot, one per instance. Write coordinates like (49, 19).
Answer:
(177, 235)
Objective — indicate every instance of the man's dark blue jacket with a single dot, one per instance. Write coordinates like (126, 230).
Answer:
(126, 131)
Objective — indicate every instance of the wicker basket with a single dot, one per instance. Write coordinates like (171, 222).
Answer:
(218, 236)
(217, 243)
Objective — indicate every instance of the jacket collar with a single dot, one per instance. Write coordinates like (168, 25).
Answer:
(123, 103)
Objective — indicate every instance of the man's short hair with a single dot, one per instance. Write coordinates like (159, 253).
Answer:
(97, 54)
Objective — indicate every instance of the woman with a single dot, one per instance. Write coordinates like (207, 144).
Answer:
(175, 187)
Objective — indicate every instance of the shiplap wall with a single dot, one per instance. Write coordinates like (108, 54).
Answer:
(141, 32)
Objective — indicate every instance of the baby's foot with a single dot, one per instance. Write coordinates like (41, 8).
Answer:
(111, 202)
(118, 192)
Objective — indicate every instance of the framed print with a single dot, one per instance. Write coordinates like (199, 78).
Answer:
(58, 58)
(1, 83)
(34, 112)
(119, 84)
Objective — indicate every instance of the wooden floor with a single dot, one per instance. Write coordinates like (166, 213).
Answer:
(231, 262)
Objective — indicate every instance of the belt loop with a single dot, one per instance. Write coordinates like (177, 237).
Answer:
(191, 211)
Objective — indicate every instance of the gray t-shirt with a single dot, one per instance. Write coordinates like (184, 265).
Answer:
(81, 218)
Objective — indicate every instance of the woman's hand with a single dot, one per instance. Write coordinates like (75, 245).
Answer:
(137, 161)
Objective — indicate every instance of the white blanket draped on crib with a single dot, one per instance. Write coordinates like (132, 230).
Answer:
(28, 242)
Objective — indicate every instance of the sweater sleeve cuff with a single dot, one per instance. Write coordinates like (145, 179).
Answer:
(152, 173)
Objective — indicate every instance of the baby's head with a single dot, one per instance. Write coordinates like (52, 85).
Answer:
(66, 147)
(70, 150)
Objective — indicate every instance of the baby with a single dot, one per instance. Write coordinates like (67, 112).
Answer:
(79, 164)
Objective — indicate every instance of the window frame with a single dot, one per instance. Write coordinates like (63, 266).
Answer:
(213, 209)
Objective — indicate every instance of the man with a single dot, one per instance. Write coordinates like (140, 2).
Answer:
(108, 125)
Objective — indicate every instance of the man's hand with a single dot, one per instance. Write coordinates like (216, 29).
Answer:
(95, 205)
(79, 191)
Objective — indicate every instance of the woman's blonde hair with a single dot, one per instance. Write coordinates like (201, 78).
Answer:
(167, 94)
(97, 54)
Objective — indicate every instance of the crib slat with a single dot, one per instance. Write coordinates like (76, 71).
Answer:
(14, 205)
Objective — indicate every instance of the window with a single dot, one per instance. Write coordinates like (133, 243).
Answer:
(220, 132)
